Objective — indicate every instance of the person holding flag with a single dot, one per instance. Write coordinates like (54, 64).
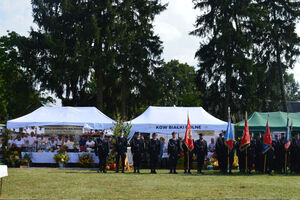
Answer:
(266, 150)
(188, 148)
(229, 142)
(245, 143)
(287, 144)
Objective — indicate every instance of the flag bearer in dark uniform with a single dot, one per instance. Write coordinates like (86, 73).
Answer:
(251, 153)
(221, 152)
(187, 153)
(295, 154)
(173, 151)
(201, 152)
(102, 150)
(259, 159)
(154, 151)
(121, 150)
(240, 155)
(231, 157)
(281, 153)
(137, 149)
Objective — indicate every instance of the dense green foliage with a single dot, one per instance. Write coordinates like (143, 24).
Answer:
(106, 54)
(245, 51)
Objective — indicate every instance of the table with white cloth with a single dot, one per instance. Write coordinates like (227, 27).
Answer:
(47, 157)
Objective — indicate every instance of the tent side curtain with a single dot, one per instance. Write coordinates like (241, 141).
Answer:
(277, 121)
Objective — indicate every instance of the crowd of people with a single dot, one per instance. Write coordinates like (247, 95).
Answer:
(277, 158)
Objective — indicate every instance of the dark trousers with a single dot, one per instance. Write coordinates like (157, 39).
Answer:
(121, 155)
(222, 160)
(200, 161)
(250, 161)
(137, 157)
(173, 161)
(242, 162)
(153, 161)
(102, 162)
(186, 153)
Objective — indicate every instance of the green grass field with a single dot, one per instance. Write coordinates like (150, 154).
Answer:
(51, 183)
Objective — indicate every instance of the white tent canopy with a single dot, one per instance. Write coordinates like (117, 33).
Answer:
(89, 117)
(166, 120)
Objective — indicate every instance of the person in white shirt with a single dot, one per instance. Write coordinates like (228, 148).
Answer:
(212, 145)
(19, 143)
(10, 142)
(42, 143)
(52, 143)
(90, 143)
(32, 140)
(59, 141)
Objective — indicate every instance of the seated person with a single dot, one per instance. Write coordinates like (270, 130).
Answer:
(43, 143)
(90, 143)
(212, 145)
(59, 141)
(19, 143)
(68, 143)
(10, 142)
(31, 142)
(52, 143)
(82, 143)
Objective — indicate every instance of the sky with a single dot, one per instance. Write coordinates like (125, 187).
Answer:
(173, 26)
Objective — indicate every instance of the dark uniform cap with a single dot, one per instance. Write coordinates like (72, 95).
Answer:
(121, 131)
(276, 136)
(282, 134)
(173, 133)
(154, 134)
(137, 133)
(201, 134)
(220, 134)
(101, 133)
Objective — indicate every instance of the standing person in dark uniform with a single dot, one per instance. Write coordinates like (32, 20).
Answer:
(240, 155)
(251, 153)
(295, 154)
(187, 153)
(154, 152)
(221, 152)
(102, 150)
(137, 149)
(121, 150)
(231, 157)
(276, 147)
(173, 151)
(201, 152)
(281, 153)
(259, 162)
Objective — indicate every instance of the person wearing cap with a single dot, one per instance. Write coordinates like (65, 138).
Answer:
(173, 152)
(121, 150)
(137, 149)
(293, 155)
(201, 152)
(281, 154)
(221, 153)
(102, 150)
(259, 158)
(154, 152)
(251, 153)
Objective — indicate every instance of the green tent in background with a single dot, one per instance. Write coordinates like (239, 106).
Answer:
(277, 122)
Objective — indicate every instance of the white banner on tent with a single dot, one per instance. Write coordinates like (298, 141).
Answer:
(63, 130)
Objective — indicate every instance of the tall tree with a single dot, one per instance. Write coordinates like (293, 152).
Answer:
(19, 92)
(277, 40)
(224, 51)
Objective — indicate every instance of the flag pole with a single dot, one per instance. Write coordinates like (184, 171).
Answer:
(188, 159)
(246, 167)
(228, 165)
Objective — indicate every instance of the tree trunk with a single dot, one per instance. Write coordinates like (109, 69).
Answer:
(282, 90)
(228, 90)
(124, 95)
(99, 80)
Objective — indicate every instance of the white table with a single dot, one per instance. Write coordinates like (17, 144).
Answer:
(3, 173)
(47, 157)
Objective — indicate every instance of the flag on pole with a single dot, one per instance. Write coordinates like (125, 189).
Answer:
(188, 140)
(287, 141)
(267, 139)
(245, 143)
(229, 135)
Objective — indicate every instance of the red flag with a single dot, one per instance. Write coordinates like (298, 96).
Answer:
(245, 143)
(188, 140)
(267, 139)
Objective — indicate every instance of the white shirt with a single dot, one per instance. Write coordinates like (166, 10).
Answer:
(59, 142)
(90, 144)
(19, 143)
(31, 140)
(52, 144)
(211, 147)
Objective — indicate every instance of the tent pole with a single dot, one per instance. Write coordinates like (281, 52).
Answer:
(246, 167)
(228, 160)
(285, 162)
